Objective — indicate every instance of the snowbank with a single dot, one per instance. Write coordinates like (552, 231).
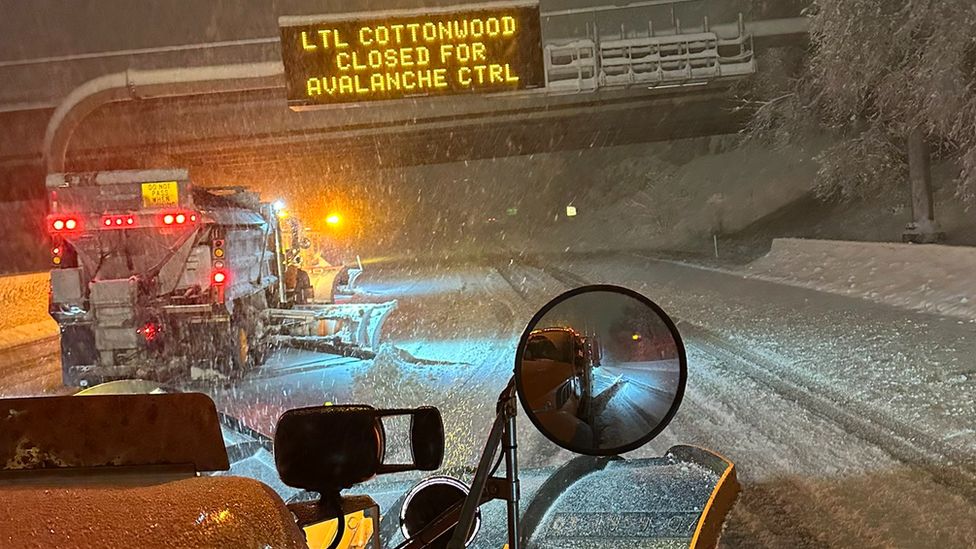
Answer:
(23, 309)
(932, 278)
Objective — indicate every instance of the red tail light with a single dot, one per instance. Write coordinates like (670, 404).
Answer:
(179, 218)
(118, 221)
(149, 332)
(59, 224)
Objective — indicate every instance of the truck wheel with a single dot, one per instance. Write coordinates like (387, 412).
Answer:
(239, 349)
(259, 343)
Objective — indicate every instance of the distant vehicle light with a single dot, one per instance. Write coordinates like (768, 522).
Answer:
(180, 219)
(219, 277)
(168, 219)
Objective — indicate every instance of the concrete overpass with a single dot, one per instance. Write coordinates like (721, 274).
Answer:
(246, 129)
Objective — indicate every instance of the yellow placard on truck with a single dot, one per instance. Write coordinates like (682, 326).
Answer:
(160, 194)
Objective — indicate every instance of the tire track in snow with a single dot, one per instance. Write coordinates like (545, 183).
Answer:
(955, 470)
(904, 444)
(32, 368)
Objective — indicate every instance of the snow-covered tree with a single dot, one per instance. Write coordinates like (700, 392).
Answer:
(876, 71)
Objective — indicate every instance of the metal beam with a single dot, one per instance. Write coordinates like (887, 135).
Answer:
(135, 84)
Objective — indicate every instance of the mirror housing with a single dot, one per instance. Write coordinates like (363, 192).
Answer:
(600, 370)
(427, 438)
(329, 448)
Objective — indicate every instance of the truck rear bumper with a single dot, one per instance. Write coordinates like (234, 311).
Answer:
(84, 364)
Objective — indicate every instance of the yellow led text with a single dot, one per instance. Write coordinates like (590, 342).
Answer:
(414, 57)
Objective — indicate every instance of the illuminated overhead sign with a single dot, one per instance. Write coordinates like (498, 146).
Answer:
(364, 57)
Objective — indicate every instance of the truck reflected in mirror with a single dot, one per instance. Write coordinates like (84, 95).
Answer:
(601, 370)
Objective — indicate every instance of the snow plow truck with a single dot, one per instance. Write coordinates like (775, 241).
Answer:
(156, 278)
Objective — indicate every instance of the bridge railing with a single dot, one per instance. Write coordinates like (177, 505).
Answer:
(650, 58)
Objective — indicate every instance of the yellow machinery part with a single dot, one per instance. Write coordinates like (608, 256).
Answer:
(359, 533)
(719, 505)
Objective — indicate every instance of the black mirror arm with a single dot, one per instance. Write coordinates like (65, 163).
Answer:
(484, 487)
(502, 428)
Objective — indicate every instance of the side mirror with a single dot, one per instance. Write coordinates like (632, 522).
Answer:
(601, 370)
(326, 449)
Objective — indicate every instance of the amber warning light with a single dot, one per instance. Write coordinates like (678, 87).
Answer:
(437, 51)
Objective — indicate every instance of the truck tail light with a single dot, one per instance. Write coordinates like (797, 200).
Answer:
(149, 332)
(58, 224)
(179, 218)
(118, 221)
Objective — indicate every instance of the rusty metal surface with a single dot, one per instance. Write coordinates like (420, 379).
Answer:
(110, 430)
(195, 512)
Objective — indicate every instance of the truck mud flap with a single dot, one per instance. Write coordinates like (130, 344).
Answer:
(78, 354)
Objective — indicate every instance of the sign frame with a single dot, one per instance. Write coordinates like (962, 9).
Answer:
(537, 62)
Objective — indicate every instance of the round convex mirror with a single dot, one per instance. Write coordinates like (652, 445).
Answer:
(600, 370)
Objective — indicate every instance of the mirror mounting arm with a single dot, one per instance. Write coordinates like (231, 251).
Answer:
(502, 429)
(507, 405)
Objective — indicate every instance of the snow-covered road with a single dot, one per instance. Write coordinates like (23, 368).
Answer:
(851, 422)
